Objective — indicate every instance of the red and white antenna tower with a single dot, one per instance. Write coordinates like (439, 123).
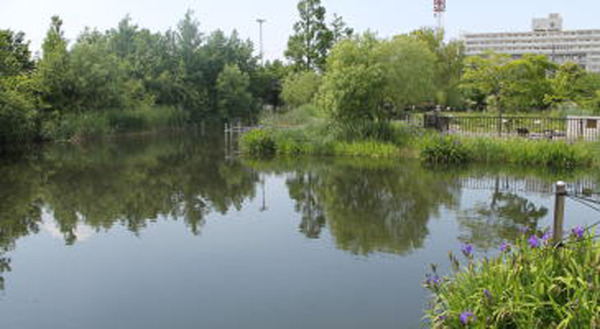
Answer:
(439, 8)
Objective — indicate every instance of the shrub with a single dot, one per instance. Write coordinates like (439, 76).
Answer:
(444, 150)
(554, 154)
(367, 130)
(530, 284)
(300, 88)
(258, 142)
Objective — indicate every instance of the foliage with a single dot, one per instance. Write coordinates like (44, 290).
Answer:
(495, 81)
(381, 131)
(258, 142)
(352, 87)
(444, 150)
(409, 72)
(15, 57)
(530, 284)
(312, 39)
(369, 79)
(17, 112)
(300, 88)
(306, 115)
(449, 65)
(234, 99)
(130, 70)
(555, 154)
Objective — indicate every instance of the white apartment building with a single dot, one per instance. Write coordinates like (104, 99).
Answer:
(547, 38)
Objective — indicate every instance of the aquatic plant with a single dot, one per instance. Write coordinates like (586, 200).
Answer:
(532, 283)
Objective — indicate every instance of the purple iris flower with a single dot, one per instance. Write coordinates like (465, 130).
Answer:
(467, 249)
(465, 316)
(546, 237)
(578, 232)
(534, 242)
(488, 294)
(433, 281)
(504, 247)
(524, 229)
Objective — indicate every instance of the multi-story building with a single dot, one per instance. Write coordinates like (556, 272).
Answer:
(547, 38)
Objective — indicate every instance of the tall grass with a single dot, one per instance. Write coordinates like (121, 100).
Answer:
(102, 123)
(531, 284)
(438, 149)
(267, 142)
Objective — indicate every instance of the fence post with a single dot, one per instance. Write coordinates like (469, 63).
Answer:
(500, 124)
(559, 211)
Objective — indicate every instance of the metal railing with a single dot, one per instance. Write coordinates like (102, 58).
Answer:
(571, 128)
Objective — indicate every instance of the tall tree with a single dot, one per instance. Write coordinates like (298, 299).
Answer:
(309, 45)
(52, 75)
(15, 57)
(340, 29)
(234, 99)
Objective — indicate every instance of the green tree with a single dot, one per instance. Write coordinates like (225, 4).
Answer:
(572, 85)
(234, 99)
(449, 65)
(526, 83)
(309, 45)
(409, 70)
(267, 82)
(352, 87)
(483, 80)
(52, 74)
(340, 30)
(15, 57)
(300, 88)
(368, 79)
(17, 102)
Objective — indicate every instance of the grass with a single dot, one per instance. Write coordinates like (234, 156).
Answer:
(268, 142)
(98, 124)
(530, 284)
(302, 131)
(437, 149)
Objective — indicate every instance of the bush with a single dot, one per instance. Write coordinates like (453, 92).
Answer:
(258, 142)
(554, 154)
(444, 150)
(300, 88)
(367, 130)
(17, 117)
(531, 284)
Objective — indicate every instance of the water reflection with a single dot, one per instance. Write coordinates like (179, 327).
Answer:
(129, 182)
(507, 214)
(367, 206)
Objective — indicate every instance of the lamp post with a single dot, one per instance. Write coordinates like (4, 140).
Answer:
(260, 22)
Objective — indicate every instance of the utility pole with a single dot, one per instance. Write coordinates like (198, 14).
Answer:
(260, 22)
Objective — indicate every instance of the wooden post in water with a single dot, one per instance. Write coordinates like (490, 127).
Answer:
(559, 211)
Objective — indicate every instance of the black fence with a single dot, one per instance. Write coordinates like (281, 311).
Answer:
(571, 128)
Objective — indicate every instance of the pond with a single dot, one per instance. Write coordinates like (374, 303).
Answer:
(171, 231)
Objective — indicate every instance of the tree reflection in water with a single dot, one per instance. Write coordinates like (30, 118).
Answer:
(131, 183)
(369, 206)
(486, 225)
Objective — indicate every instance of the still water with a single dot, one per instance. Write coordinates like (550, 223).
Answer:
(169, 232)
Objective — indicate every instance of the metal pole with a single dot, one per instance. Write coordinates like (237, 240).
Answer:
(559, 211)
(261, 21)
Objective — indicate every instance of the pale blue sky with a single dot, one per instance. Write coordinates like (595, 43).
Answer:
(387, 17)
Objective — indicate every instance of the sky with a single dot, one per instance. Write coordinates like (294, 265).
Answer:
(386, 17)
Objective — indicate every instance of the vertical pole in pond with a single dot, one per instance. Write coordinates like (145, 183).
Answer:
(559, 211)
(226, 138)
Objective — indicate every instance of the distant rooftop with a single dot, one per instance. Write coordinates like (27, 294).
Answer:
(553, 22)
